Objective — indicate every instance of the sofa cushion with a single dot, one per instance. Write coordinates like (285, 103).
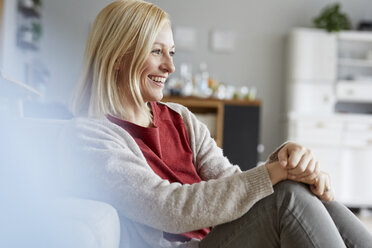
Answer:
(29, 185)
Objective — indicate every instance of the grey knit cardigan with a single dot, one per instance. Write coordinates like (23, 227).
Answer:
(101, 161)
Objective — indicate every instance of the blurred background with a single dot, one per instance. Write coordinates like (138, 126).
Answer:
(258, 56)
(308, 84)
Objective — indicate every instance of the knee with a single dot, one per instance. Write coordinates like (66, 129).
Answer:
(290, 192)
(292, 187)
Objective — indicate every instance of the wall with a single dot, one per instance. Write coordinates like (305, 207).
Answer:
(1, 27)
(258, 59)
(11, 58)
(66, 26)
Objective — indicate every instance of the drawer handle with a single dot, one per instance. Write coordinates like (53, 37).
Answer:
(350, 92)
(326, 99)
(320, 125)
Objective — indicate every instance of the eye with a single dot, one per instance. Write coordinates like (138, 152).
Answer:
(156, 51)
(172, 53)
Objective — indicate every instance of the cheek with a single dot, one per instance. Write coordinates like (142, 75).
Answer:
(143, 84)
(145, 70)
(143, 75)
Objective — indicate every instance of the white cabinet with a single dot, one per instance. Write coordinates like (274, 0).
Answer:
(354, 91)
(310, 97)
(325, 70)
(312, 129)
(311, 55)
(354, 57)
(354, 67)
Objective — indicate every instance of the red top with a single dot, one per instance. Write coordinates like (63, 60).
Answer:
(167, 150)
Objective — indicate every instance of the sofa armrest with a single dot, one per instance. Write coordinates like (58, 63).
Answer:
(86, 223)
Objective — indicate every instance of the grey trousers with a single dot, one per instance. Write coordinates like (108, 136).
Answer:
(291, 217)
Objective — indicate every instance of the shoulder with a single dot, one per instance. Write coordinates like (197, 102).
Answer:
(180, 109)
(93, 125)
(95, 130)
(194, 127)
(187, 116)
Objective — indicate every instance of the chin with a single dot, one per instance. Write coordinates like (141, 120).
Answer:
(158, 98)
(153, 98)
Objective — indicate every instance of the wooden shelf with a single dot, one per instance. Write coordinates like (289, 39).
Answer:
(211, 101)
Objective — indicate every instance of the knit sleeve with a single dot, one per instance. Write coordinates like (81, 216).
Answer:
(106, 164)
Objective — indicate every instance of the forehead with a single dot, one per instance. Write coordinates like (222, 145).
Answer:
(165, 36)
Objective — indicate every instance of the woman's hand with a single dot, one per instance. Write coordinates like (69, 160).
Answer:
(299, 162)
(322, 187)
(302, 166)
(276, 172)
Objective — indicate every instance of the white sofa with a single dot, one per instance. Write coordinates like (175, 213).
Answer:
(32, 213)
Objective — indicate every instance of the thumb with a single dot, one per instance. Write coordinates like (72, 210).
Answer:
(283, 156)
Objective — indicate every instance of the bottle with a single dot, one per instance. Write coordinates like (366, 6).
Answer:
(186, 79)
(201, 81)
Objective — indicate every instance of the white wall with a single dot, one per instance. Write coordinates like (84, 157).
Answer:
(12, 58)
(66, 25)
(258, 59)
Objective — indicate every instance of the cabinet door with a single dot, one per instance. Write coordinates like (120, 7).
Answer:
(240, 135)
(354, 91)
(312, 55)
(310, 97)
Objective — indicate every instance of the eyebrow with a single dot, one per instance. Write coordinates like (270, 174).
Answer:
(162, 44)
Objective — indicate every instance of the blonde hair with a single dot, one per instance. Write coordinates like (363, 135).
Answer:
(123, 32)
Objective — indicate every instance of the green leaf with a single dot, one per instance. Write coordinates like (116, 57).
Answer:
(332, 19)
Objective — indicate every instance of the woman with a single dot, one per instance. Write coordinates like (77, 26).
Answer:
(157, 164)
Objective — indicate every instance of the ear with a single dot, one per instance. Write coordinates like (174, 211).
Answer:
(117, 64)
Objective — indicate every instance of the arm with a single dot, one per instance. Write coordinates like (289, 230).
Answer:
(276, 172)
(122, 177)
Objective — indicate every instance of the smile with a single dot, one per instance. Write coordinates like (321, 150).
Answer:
(158, 79)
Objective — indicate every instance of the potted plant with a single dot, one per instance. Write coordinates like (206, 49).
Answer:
(332, 19)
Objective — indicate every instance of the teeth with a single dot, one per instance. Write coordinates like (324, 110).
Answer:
(158, 79)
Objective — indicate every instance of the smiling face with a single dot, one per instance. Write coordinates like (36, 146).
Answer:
(158, 65)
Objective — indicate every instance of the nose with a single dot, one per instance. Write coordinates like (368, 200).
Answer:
(167, 64)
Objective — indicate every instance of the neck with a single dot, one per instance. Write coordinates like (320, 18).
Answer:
(137, 116)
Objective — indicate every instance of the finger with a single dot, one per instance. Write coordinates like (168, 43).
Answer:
(301, 180)
(310, 169)
(302, 169)
(319, 185)
(310, 179)
(317, 168)
(309, 174)
(327, 197)
(328, 192)
(283, 156)
(313, 189)
(295, 157)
